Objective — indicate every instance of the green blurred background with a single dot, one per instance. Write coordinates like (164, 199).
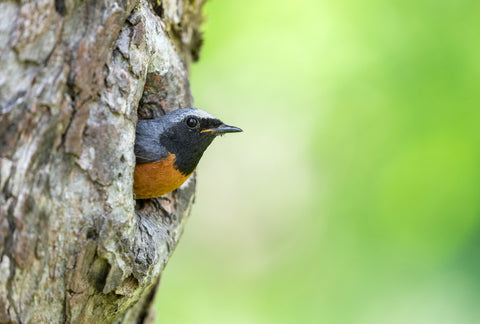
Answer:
(353, 195)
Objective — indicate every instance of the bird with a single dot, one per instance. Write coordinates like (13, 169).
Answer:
(168, 149)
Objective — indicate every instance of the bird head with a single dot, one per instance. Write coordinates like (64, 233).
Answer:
(187, 134)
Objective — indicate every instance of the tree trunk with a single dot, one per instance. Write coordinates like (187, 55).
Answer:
(74, 78)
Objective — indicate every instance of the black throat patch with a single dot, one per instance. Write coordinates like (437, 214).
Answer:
(187, 144)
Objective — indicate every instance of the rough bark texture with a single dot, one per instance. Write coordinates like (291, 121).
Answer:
(74, 78)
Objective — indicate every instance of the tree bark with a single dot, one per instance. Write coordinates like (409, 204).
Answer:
(74, 78)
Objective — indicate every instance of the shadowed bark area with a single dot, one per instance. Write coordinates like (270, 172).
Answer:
(76, 76)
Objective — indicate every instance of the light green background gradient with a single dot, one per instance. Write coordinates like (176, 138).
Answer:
(353, 195)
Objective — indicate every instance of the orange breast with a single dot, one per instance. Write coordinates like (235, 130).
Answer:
(154, 179)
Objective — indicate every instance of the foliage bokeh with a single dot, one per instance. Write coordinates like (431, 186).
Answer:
(353, 195)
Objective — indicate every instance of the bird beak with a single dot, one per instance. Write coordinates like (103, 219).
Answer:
(222, 129)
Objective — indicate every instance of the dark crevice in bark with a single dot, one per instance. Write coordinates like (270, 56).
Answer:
(98, 273)
(70, 91)
(147, 305)
(9, 252)
(92, 234)
(158, 8)
(64, 315)
(64, 135)
(12, 226)
(60, 7)
(10, 132)
(196, 45)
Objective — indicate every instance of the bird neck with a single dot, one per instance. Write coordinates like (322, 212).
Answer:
(187, 155)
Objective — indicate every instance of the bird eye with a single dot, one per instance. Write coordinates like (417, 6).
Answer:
(192, 122)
